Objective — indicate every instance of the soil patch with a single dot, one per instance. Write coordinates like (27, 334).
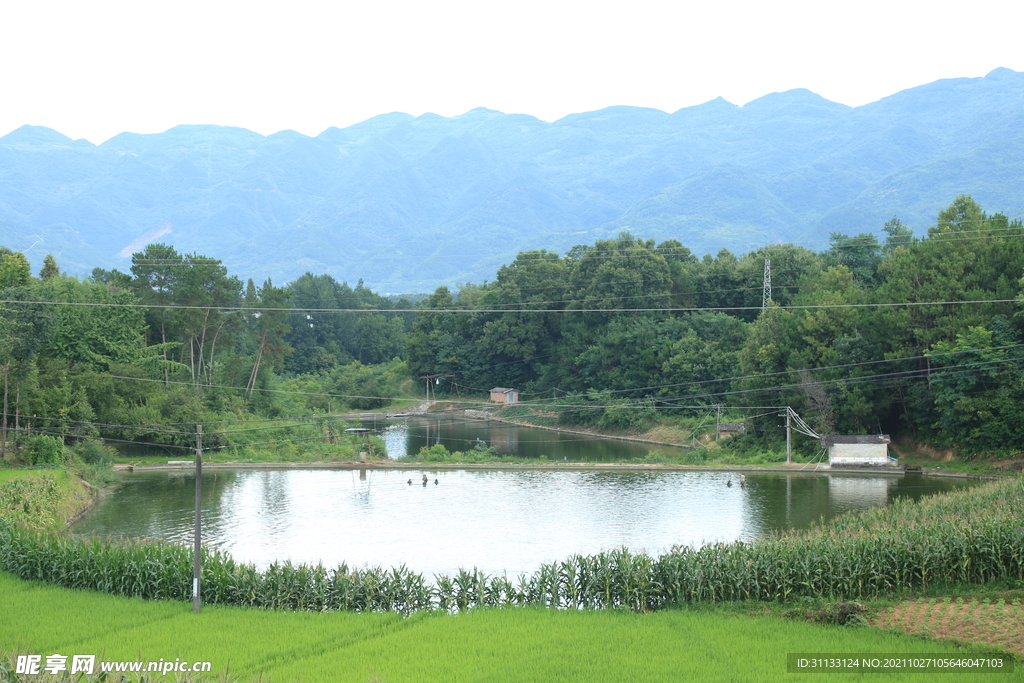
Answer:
(997, 622)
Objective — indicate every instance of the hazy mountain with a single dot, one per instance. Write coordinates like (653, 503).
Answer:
(407, 203)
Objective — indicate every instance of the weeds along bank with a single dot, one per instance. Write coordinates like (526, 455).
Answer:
(43, 500)
(967, 537)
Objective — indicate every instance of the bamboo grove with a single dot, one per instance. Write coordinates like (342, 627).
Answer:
(972, 536)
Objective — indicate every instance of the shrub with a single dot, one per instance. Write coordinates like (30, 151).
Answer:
(93, 453)
(45, 450)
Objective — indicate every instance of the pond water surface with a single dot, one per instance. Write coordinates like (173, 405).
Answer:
(496, 520)
(408, 436)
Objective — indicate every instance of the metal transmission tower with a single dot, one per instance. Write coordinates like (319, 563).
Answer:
(767, 296)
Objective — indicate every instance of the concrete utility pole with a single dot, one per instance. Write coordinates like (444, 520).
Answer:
(789, 435)
(196, 567)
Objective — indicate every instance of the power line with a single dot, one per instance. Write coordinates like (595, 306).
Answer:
(472, 311)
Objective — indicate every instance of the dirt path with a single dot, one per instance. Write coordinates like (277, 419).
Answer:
(408, 390)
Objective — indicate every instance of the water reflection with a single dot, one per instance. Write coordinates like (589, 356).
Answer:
(409, 436)
(498, 521)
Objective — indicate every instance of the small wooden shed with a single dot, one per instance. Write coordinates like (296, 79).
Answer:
(862, 450)
(731, 428)
(504, 395)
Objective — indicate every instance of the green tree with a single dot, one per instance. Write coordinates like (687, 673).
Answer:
(966, 256)
(155, 272)
(896, 235)
(860, 254)
(24, 328)
(517, 344)
(977, 393)
(379, 338)
(266, 317)
(105, 329)
(442, 342)
(205, 289)
(49, 268)
(14, 269)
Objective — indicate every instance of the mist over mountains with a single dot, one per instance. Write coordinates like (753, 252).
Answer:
(408, 203)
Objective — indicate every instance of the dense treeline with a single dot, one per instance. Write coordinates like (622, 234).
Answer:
(917, 335)
(863, 337)
(143, 356)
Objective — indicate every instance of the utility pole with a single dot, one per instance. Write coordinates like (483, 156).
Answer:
(436, 379)
(766, 295)
(718, 423)
(196, 567)
(789, 435)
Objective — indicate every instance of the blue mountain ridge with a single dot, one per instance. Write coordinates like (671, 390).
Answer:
(411, 202)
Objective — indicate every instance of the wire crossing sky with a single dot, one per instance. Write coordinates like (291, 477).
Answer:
(92, 70)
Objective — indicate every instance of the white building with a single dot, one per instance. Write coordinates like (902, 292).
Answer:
(870, 450)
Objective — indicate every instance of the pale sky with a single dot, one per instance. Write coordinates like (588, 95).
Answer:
(94, 69)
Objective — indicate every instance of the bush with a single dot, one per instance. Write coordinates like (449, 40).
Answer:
(436, 453)
(93, 453)
(841, 614)
(45, 450)
(628, 417)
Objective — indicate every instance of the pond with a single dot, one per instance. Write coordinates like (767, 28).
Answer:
(408, 436)
(499, 521)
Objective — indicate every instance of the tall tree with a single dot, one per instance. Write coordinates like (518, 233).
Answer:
(204, 288)
(896, 235)
(49, 268)
(861, 254)
(24, 327)
(267, 320)
(155, 271)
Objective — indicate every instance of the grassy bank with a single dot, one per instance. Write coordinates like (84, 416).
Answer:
(483, 645)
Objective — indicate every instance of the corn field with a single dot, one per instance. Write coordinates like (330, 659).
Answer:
(31, 501)
(967, 537)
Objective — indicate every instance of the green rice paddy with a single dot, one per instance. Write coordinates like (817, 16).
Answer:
(513, 644)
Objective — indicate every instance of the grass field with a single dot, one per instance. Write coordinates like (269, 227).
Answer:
(516, 644)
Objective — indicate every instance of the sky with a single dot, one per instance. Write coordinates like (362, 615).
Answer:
(94, 69)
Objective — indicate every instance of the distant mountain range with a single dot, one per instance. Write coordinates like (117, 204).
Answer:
(407, 203)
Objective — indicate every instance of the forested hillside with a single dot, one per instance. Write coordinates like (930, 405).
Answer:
(916, 335)
(909, 335)
(410, 203)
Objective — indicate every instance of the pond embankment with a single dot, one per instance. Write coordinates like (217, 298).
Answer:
(540, 466)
